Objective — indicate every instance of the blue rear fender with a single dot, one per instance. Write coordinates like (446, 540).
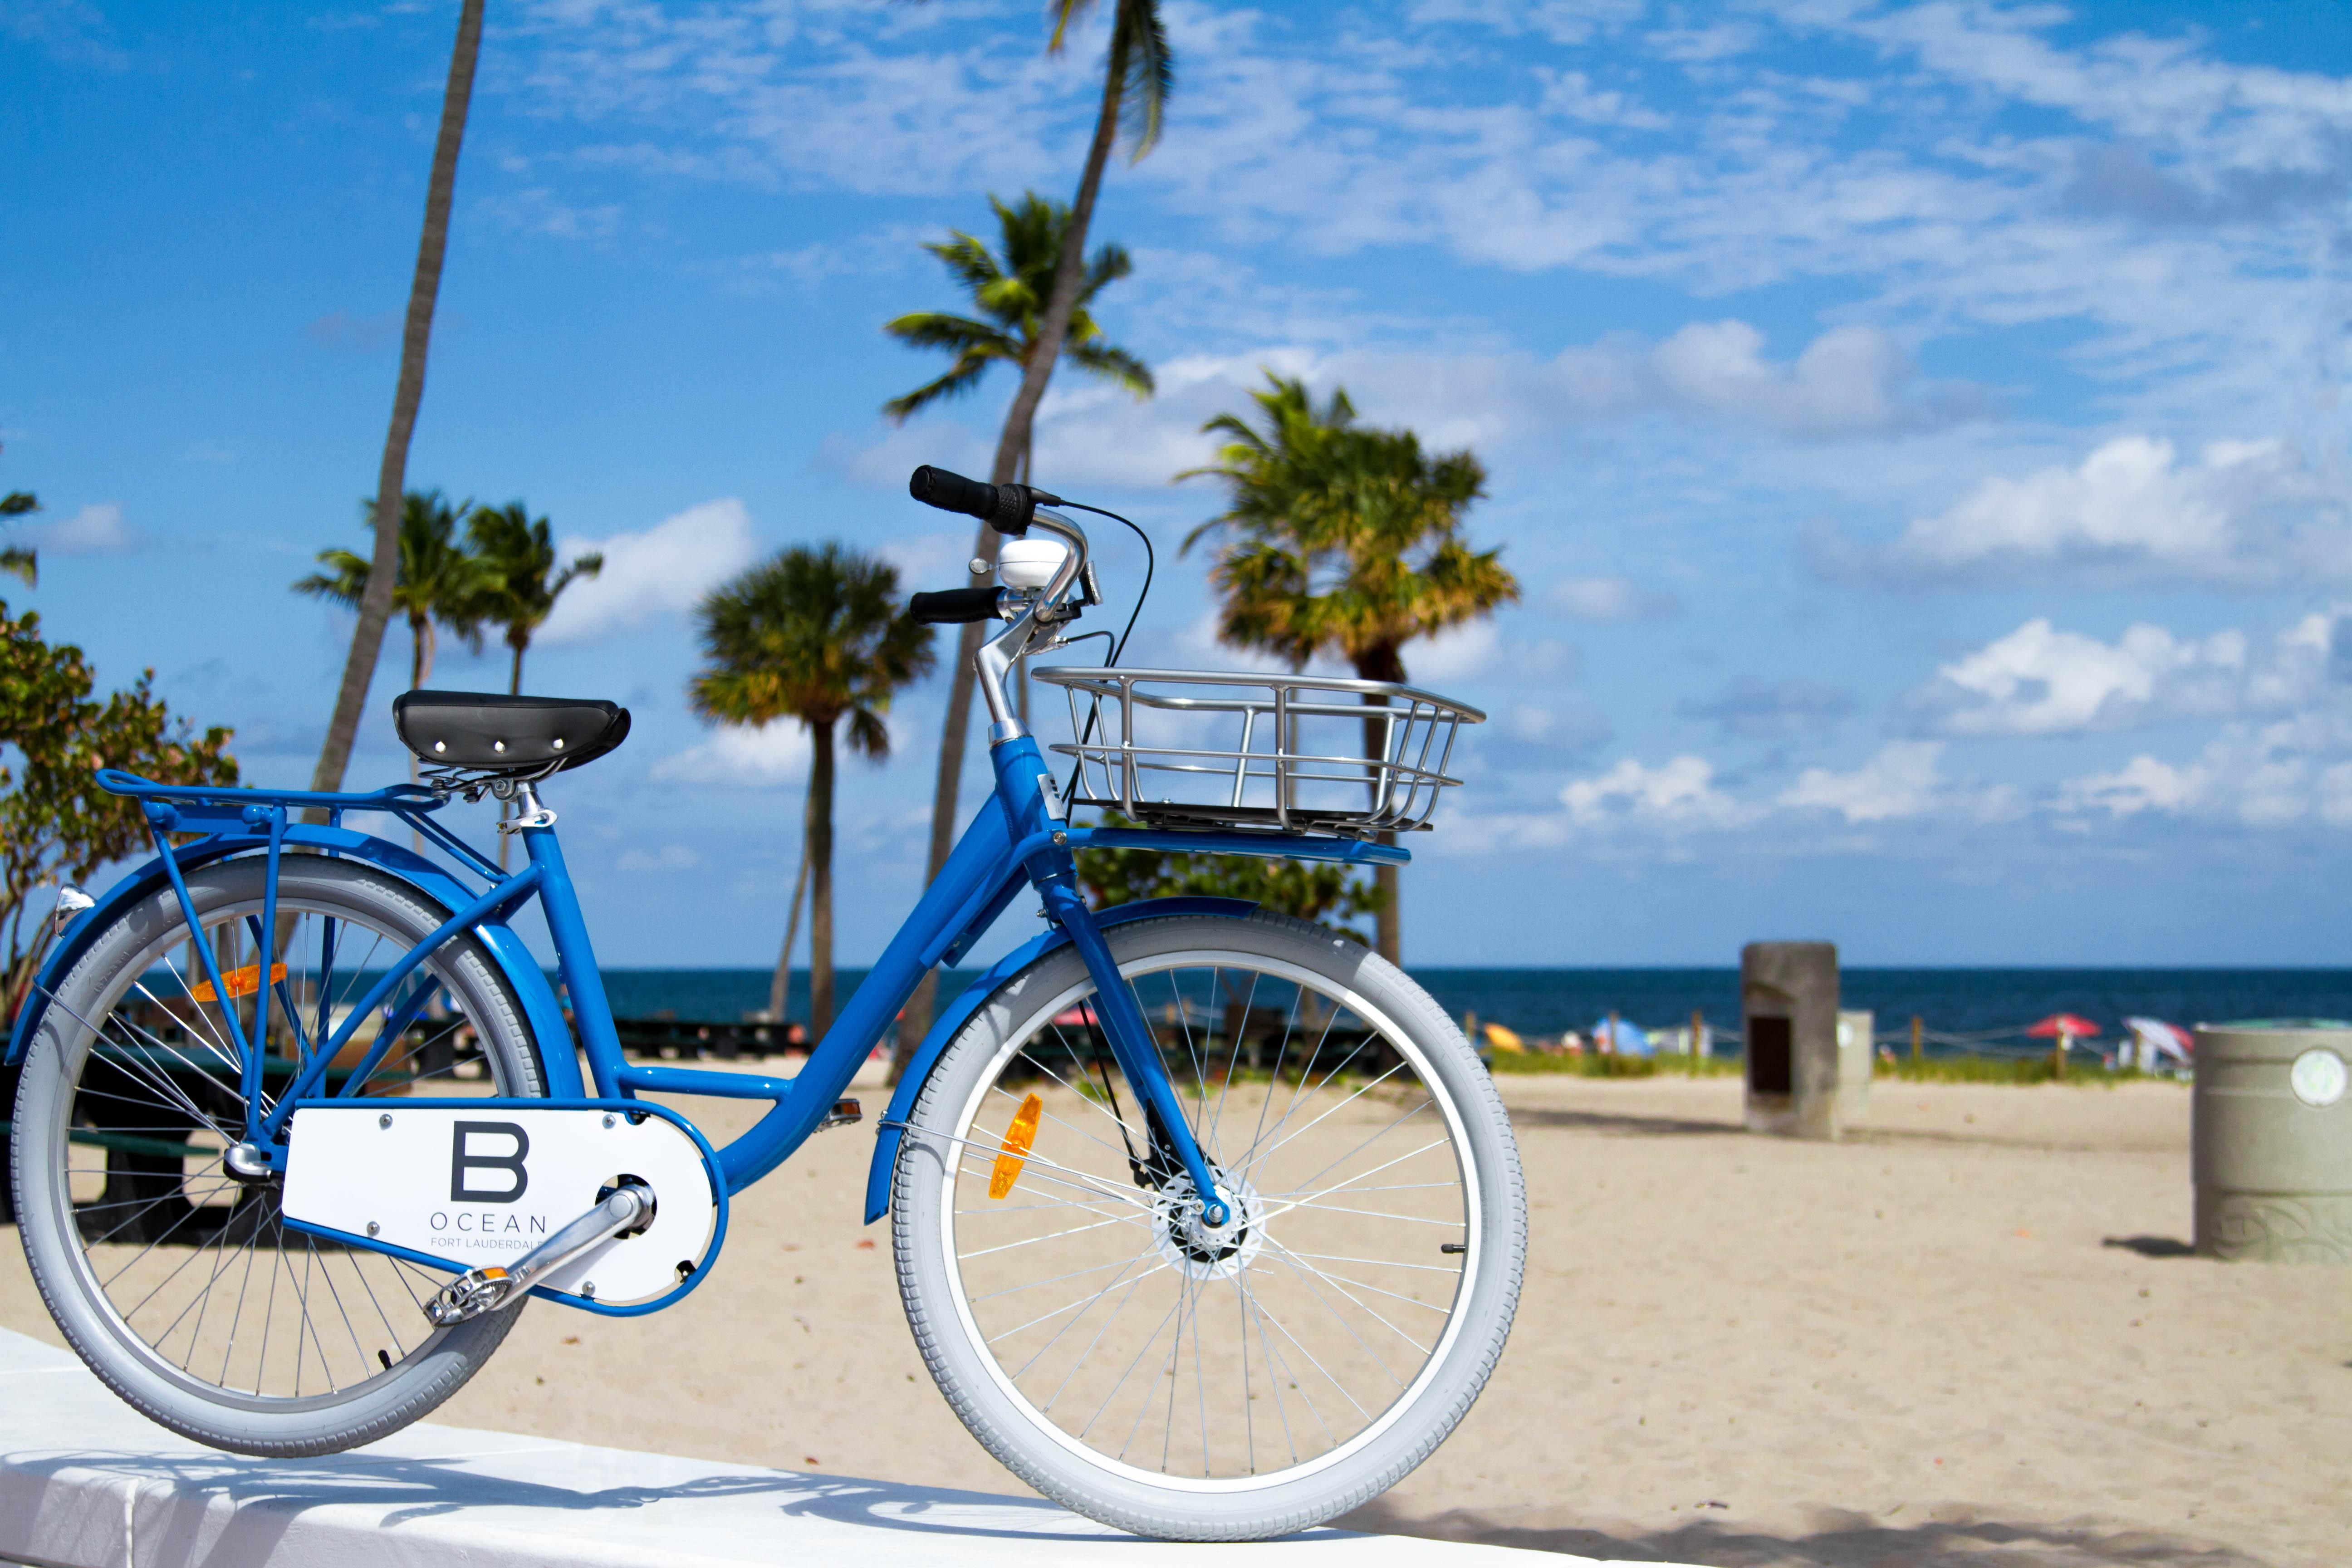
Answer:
(969, 1000)
(560, 1063)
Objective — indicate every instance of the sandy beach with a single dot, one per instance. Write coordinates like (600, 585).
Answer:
(1968, 1335)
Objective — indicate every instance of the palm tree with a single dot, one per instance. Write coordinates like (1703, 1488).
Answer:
(436, 583)
(822, 636)
(1010, 290)
(1011, 293)
(1138, 73)
(1348, 540)
(374, 600)
(517, 552)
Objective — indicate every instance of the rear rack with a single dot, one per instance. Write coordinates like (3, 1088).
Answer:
(1144, 741)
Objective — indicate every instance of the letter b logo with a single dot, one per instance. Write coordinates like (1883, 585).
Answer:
(463, 1161)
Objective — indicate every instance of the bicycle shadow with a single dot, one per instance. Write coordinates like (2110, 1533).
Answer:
(1838, 1540)
(1620, 1124)
(268, 1497)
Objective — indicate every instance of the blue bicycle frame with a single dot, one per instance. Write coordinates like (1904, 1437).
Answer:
(1017, 838)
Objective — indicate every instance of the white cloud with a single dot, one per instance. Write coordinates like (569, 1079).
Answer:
(2245, 514)
(1680, 794)
(669, 857)
(930, 561)
(1197, 647)
(2039, 680)
(1899, 782)
(1847, 381)
(1465, 653)
(776, 752)
(1608, 599)
(1934, 148)
(662, 571)
(2260, 774)
(538, 210)
(1850, 382)
(887, 462)
(95, 530)
(1561, 21)
(2141, 784)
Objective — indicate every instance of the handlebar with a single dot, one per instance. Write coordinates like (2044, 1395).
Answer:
(952, 606)
(1008, 509)
(1029, 614)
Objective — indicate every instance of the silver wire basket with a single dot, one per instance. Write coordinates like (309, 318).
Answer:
(1296, 753)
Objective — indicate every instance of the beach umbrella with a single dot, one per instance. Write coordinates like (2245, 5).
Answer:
(2066, 1027)
(2154, 1039)
(2073, 1025)
(1625, 1040)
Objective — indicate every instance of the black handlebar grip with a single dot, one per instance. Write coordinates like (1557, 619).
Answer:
(952, 492)
(953, 607)
(1004, 508)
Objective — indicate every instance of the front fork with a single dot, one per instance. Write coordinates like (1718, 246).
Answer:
(1031, 800)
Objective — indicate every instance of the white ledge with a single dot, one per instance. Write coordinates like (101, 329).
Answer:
(87, 1482)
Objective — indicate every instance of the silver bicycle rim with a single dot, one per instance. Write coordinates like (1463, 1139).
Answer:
(1300, 1356)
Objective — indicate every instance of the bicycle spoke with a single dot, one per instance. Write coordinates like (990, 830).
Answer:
(1341, 1282)
(1331, 1166)
(1048, 1317)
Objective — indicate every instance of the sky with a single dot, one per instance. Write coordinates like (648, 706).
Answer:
(1918, 431)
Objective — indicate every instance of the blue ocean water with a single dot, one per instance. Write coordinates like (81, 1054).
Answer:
(1548, 1001)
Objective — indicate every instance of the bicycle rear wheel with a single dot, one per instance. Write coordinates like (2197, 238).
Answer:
(1201, 1384)
(174, 1277)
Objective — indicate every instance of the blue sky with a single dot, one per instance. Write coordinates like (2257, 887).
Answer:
(1920, 430)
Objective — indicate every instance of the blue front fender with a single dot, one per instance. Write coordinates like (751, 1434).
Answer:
(969, 1000)
(560, 1063)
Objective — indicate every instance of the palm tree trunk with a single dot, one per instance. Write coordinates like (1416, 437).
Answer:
(779, 985)
(1012, 445)
(1382, 662)
(514, 689)
(420, 670)
(392, 476)
(820, 859)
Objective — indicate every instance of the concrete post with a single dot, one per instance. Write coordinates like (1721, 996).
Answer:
(1789, 1006)
(1856, 1034)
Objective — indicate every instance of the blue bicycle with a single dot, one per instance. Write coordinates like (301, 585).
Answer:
(1208, 1222)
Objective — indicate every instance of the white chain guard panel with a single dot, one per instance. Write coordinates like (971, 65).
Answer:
(479, 1186)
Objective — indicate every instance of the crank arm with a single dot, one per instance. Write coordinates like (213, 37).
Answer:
(480, 1290)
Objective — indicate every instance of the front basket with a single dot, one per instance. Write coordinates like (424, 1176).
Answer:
(1297, 754)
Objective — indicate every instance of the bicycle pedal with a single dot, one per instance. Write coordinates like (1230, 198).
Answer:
(843, 1113)
(468, 1296)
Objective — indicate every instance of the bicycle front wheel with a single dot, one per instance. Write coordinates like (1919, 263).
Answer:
(174, 1275)
(1212, 1384)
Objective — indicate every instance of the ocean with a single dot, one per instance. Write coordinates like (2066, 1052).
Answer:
(1992, 1006)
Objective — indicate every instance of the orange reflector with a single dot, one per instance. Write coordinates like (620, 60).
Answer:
(1017, 1139)
(240, 982)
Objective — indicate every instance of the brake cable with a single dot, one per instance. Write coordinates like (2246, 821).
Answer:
(1151, 565)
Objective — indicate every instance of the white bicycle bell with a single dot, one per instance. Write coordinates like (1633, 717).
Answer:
(1029, 564)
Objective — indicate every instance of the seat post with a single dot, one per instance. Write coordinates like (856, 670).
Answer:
(528, 811)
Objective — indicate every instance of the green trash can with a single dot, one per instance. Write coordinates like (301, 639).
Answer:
(2271, 1145)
